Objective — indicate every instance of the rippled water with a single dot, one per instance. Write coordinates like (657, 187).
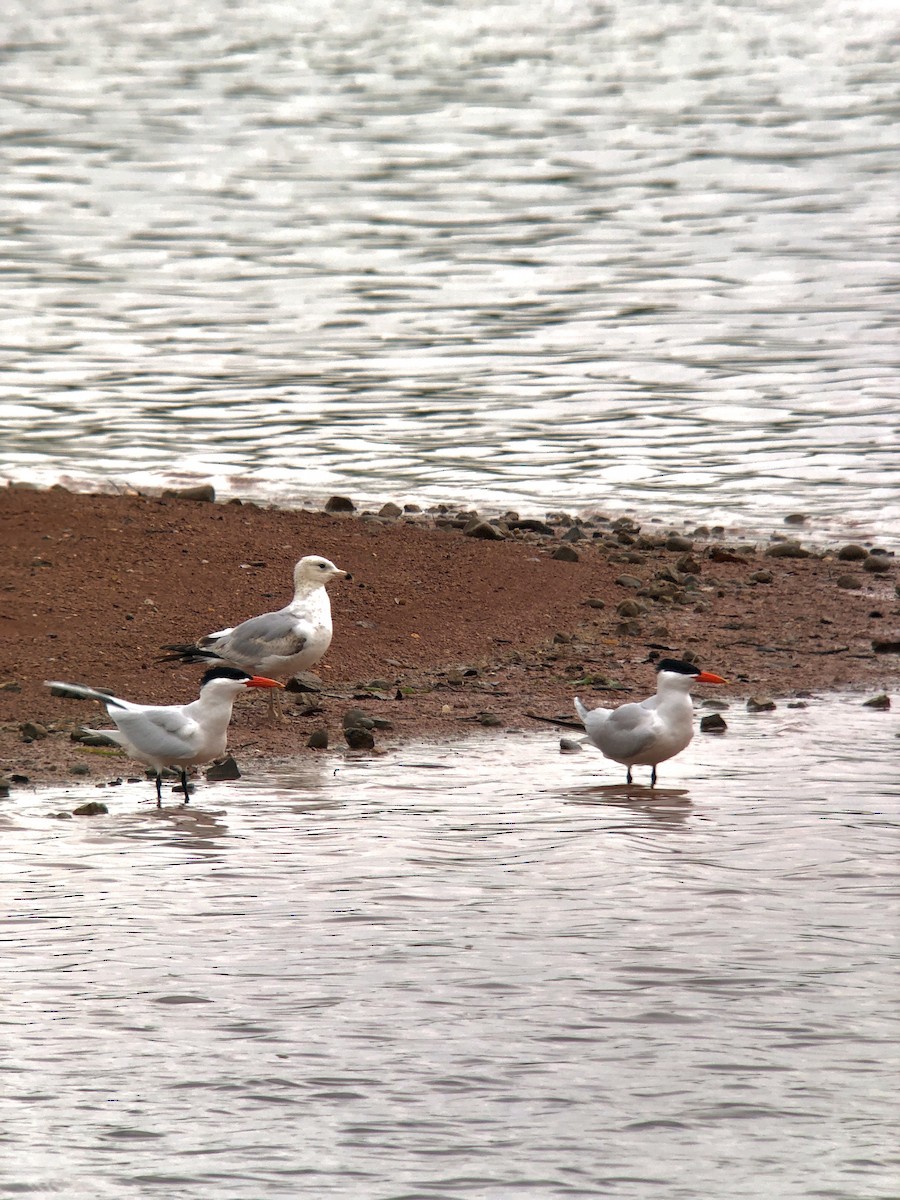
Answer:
(477, 971)
(538, 253)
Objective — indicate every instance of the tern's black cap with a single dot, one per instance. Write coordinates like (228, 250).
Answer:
(677, 666)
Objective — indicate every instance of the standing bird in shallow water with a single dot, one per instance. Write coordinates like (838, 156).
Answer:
(173, 735)
(276, 644)
(646, 733)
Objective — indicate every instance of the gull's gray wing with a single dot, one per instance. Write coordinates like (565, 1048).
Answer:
(278, 633)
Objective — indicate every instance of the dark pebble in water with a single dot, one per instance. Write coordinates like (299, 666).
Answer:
(569, 746)
(93, 808)
(713, 723)
(225, 768)
(881, 702)
(760, 704)
(852, 553)
(318, 740)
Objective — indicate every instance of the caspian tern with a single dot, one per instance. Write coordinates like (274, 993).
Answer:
(648, 732)
(276, 644)
(173, 735)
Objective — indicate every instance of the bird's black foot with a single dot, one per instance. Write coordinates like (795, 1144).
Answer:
(184, 787)
(159, 791)
(653, 777)
(628, 776)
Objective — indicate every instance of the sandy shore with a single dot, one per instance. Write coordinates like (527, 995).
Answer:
(440, 633)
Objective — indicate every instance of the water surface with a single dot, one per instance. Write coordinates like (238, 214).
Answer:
(534, 253)
(484, 970)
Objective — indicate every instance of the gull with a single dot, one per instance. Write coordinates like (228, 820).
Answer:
(648, 732)
(172, 735)
(276, 644)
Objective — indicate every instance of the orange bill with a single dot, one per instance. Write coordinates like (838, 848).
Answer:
(708, 677)
(261, 681)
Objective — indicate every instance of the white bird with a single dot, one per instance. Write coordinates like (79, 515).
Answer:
(173, 735)
(648, 732)
(276, 644)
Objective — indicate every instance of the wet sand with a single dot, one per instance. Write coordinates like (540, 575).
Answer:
(440, 632)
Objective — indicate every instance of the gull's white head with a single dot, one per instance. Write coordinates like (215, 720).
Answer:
(314, 571)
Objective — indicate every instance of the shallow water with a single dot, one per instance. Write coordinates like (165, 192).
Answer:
(485, 970)
(537, 253)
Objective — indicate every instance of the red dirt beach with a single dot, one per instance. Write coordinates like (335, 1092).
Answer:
(452, 623)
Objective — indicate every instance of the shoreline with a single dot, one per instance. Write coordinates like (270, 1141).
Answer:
(453, 624)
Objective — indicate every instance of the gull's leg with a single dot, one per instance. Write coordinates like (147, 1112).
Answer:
(628, 776)
(158, 790)
(184, 785)
(653, 777)
(276, 712)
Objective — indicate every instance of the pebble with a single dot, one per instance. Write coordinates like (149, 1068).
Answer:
(713, 723)
(573, 534)
(850, 583)
(359, 739)
(569, 746)
(204, 493)
(93, 808)
(595, 602)
(318, 740)
(881, 702)
(630, 581)
(631, 608)
(679, 543)
(390, 510)
(33, 731)
(760, 704)
(878, 564)
(225, 768)
(529, 525)
(796, 518)
(80, 769)
(852, 553)
(761, 577)
(886, 645)
(339, 504)
(786, 550)
(477, 528)
(566, 553)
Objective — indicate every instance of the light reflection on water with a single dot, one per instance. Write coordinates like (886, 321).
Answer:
(531, 254)
(480, 969)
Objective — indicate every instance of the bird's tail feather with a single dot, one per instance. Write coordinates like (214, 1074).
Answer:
(189, 654)
(580, 709)
(78, 691)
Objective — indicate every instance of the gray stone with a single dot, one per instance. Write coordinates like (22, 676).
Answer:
(569, 746)
(676, 542)
(760, 704)
(881, 702)
(713, 723)
(630, 581)
(390, 510)
(850, 583)
(204, 493)
(852, 553)
(32, 731)
(359, 739)
(93, 808)
(339, 504)
(761, 577)
(786, 550)
(566, 553)
(318, 740)
(224, 768)
(878, 564)
(477, 528)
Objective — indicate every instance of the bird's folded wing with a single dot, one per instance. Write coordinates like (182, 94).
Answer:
(632, 727)
(166, 733)
(278, 633)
